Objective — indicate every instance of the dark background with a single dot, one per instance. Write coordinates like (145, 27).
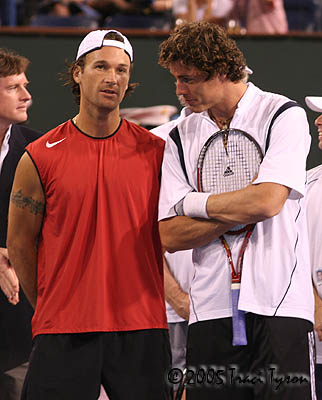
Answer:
(290, 65)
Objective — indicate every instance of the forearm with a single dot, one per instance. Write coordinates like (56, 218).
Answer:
(249, 205)
(192, 11)
(174, 295)
(183, 233)
(24, 260)
(208, 15)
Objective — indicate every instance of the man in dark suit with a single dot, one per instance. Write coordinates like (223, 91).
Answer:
(15, 310)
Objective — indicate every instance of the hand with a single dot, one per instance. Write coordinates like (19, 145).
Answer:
(9, 282)
(318, 319)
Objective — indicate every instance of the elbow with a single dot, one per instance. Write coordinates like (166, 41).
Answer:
(168, 243)
(14, 250)
(167, 236)
(269, 209)
(271, 201)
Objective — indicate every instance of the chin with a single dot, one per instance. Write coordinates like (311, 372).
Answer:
(20, 120)
(196, 108)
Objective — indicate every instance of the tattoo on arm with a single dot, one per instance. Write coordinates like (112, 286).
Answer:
(21, 201)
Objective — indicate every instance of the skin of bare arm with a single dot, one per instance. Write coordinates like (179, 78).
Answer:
(249, 205)
(175, 296)
(317, 314)
(182, 233)
(26, 212)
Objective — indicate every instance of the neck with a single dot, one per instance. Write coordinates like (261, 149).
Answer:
(98, 126)
(223, 112)
(222, 123)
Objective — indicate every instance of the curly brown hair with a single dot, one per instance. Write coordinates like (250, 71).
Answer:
(12, 63)
(68, 75)
(205, 46)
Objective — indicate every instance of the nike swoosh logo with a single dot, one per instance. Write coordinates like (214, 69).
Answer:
(49, 145)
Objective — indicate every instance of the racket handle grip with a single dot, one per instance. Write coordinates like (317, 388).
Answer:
(182, 385)
(239, 323)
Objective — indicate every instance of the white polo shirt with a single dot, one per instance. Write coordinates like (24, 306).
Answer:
(180, 263)
(314, 219)
(276, 276)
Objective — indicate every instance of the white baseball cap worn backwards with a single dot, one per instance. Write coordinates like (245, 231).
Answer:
(95, 40)
(314, 103)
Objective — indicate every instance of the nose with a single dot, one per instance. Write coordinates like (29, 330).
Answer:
(181, 88)
(318, 120)
(25, 95)
(110, 76)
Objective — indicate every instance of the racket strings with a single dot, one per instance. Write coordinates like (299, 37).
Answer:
(221, 173)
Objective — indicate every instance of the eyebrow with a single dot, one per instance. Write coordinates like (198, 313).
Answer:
(107, 63)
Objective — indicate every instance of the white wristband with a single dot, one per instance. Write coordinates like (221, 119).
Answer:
(194, 205)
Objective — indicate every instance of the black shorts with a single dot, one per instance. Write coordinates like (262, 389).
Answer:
(277, 363)
(130, 365)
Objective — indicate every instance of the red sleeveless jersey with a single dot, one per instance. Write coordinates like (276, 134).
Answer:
(99, 254)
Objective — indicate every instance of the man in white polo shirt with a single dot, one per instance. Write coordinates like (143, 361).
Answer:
(314, 198)
(279, 322)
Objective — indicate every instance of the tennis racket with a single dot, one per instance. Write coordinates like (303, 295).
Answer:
(228, 161)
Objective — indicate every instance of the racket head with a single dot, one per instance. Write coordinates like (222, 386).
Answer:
(228, 161)
(221, 170)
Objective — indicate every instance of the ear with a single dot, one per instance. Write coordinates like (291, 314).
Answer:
(222, 78)
(77, 73)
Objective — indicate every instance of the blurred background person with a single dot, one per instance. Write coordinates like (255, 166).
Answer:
(261, 16)
(314, 199)
(202, 10)
(15, 310)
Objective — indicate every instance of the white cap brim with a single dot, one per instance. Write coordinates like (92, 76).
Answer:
(314, 103)
(95, 40)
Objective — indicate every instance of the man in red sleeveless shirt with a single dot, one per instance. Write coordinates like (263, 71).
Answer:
(83, 239)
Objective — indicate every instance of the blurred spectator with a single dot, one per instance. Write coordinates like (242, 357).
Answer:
(65, 13)
(206, 10)
(145, 14)
(67, 8)
(261, 16)
(27, 9)
(300, 14)
(318, 15)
